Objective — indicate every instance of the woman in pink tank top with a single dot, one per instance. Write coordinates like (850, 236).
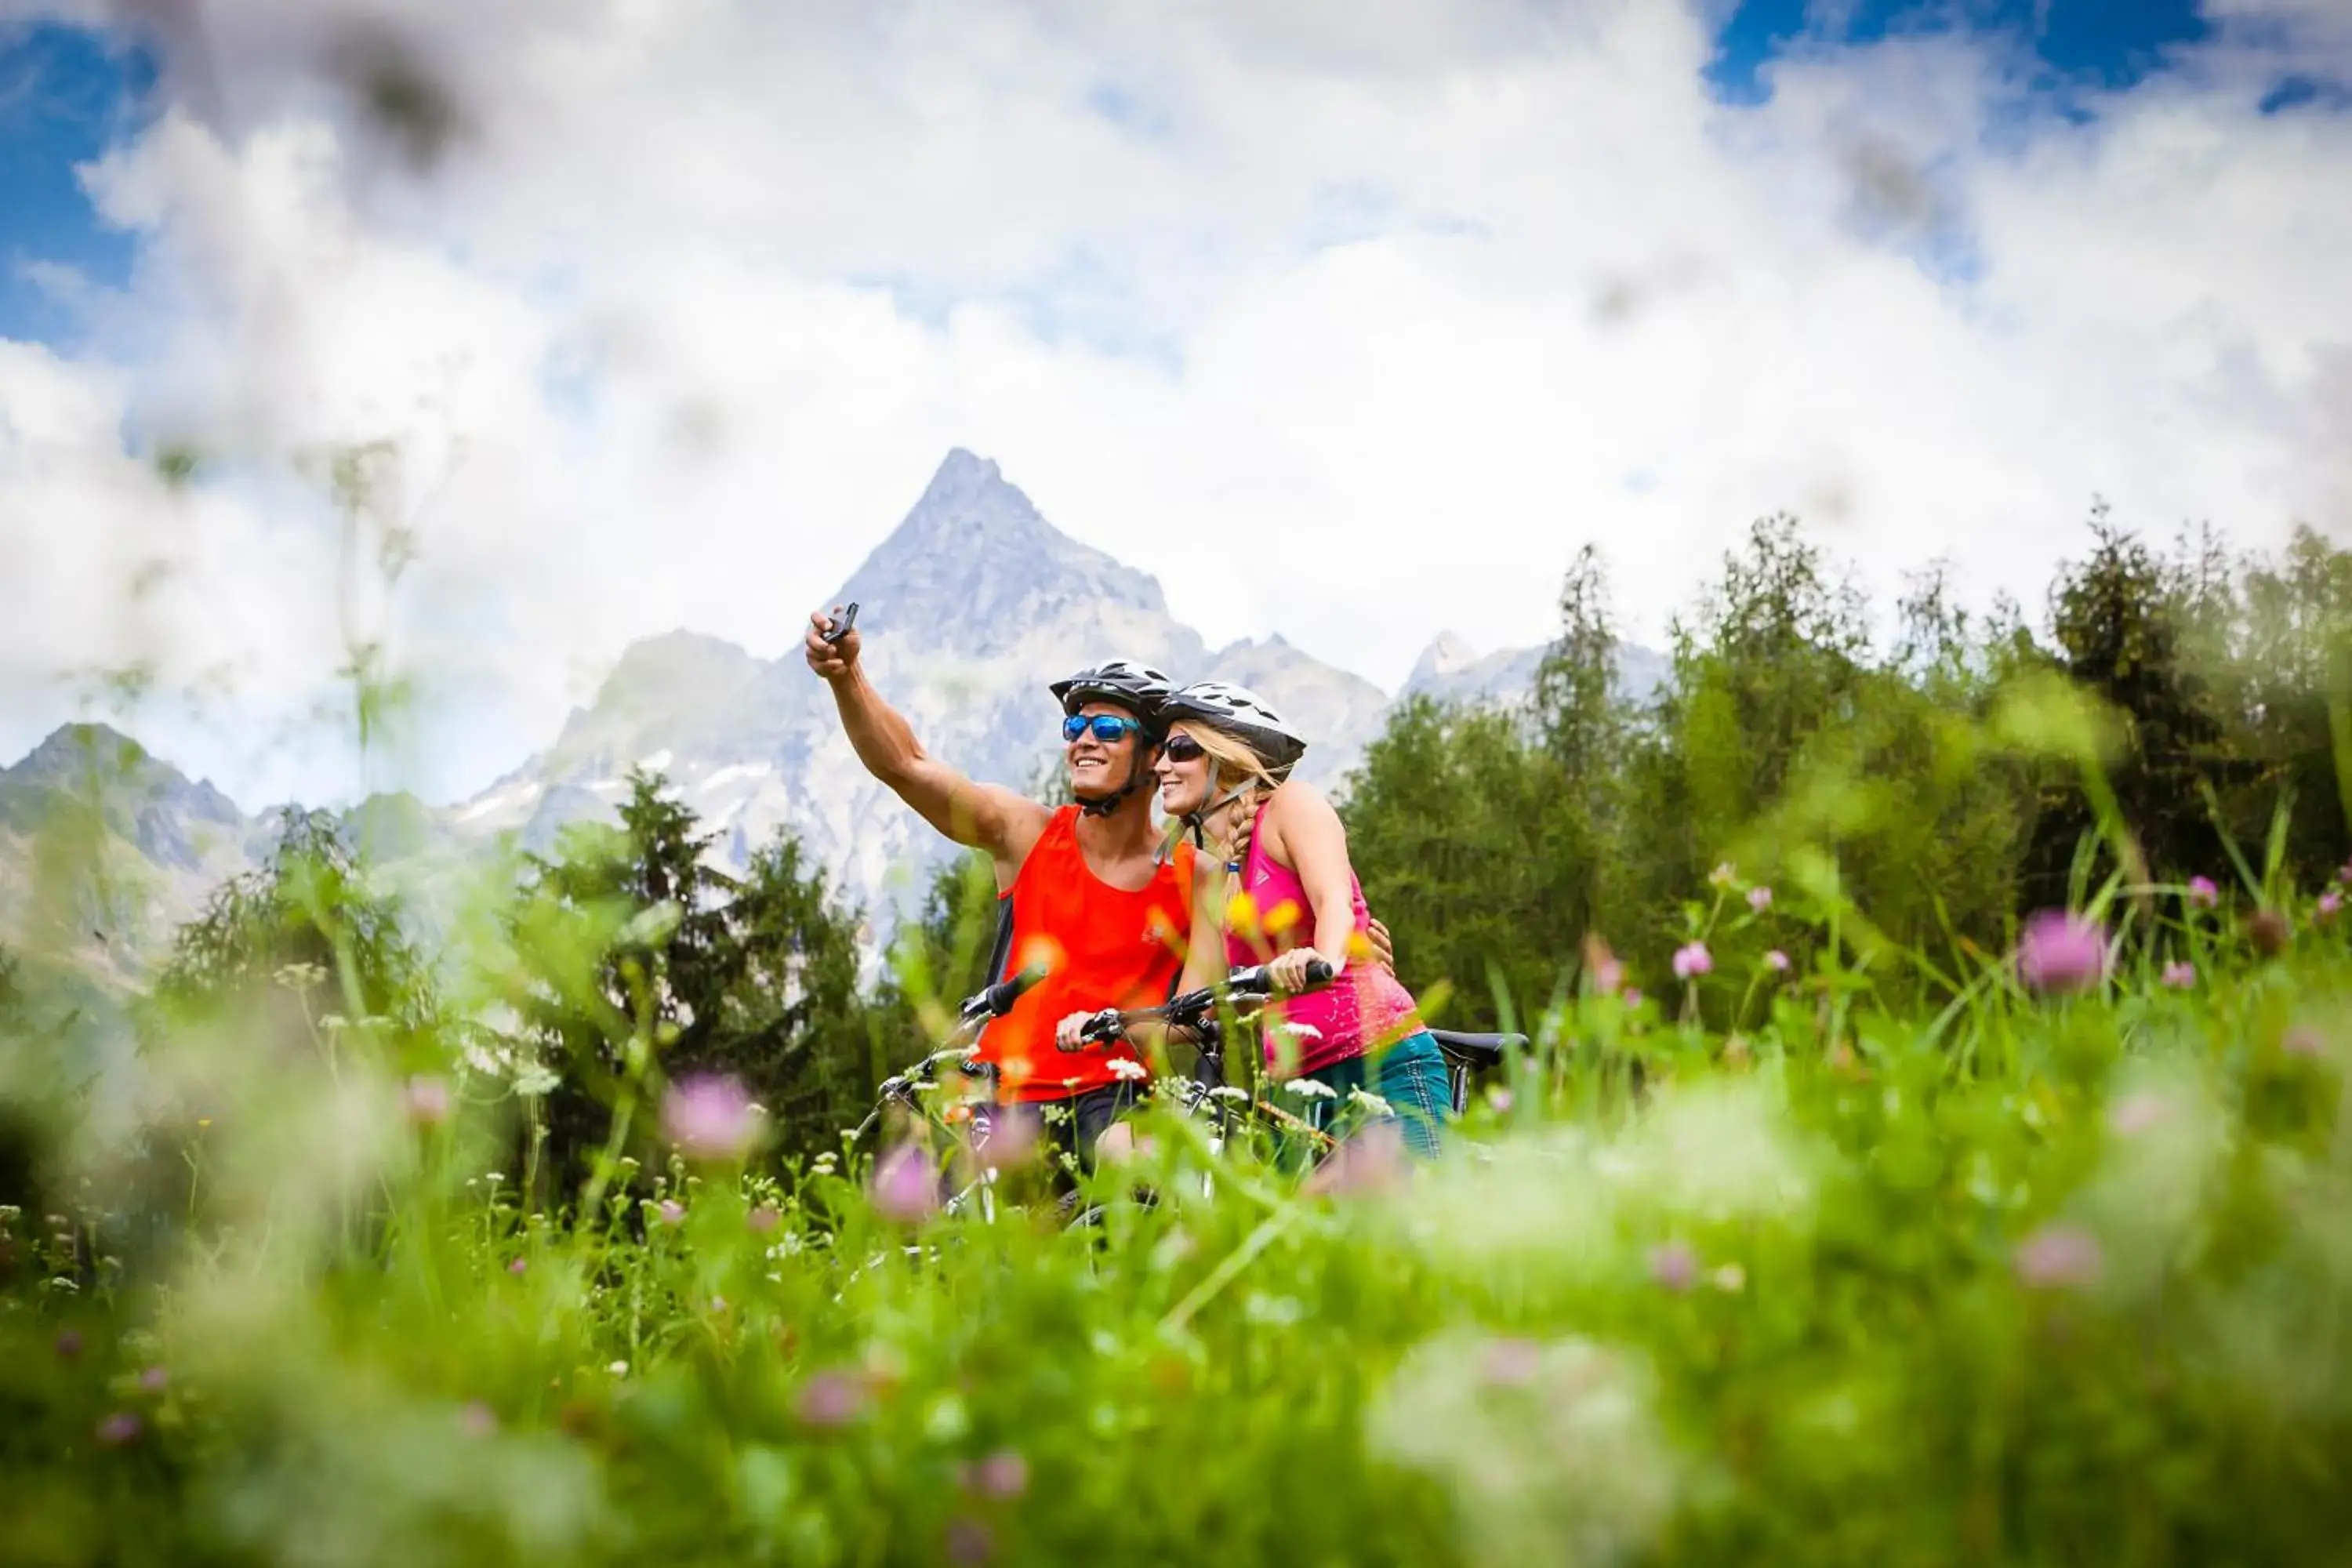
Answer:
(1289, 897)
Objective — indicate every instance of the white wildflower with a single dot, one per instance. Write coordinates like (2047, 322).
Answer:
(1299, 1031)
(619, 1369)
(1129, 1069)
(535, 1080)
(1273, 1312)
(1716, 1152)
(1228, 1093)
(1307, 1089)
(1370, 1102)
(1554, 1452)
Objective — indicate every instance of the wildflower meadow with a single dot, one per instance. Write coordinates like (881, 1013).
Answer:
(2054, 1272)
(1884, 1186)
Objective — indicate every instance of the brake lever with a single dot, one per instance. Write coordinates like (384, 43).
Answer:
(1103, 1028)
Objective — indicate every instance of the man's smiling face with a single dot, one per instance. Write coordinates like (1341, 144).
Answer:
(1099, 767)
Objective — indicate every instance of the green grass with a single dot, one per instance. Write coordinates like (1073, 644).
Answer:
(2020, 1279)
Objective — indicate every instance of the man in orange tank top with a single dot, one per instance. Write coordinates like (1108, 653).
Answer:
(1093, 899)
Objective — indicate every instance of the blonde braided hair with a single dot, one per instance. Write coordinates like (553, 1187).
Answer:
(1237, 769)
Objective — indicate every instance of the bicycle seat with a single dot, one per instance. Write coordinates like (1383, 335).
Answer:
(1476, 1051)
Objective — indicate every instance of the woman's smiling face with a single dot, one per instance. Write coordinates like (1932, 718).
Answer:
(1183, 771)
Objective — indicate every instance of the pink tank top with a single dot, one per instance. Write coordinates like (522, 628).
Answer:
(1365, 1009)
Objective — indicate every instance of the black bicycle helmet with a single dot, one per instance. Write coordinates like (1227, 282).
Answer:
(1238, 711)
(1138, 688)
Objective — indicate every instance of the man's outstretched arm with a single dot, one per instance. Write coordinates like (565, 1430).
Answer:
(983, 816)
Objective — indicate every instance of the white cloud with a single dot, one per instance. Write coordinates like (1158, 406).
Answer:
(1350, 330)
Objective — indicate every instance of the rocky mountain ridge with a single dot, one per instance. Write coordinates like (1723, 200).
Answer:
(971, 607)
(105, 849)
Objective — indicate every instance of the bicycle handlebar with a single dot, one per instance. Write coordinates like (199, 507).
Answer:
(998, 999)
(1191, 1006)
(977, 1008)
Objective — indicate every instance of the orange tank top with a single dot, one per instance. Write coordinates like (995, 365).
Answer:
(1101, 947)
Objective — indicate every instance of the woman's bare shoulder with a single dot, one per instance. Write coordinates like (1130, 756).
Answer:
(1297, 807)
(1295, 798)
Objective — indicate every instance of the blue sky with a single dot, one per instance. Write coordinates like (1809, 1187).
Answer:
(65, 96)
(2061, 43)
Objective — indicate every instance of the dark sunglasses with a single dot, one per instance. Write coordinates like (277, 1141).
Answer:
(1182, 748)
(1107, 727)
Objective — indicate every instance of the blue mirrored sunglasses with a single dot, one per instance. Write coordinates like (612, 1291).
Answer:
(1107, 727)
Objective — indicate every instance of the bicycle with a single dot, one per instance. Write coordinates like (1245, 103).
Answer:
(1467, 1053)
(915, 1089)
(1206, 1095)
(971, 1116)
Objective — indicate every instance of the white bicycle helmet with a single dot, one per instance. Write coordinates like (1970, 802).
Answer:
(1238, 711)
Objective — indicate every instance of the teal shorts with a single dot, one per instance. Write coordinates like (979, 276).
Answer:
(1409, 1075)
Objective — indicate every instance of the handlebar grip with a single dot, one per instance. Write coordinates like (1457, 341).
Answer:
(998, 999)
(1250, 982)
(1254, 980)
(840, 628)
(1103, 1028)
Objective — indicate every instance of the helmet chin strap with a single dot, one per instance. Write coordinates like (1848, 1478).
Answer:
(1197, 820)
(1103, 805)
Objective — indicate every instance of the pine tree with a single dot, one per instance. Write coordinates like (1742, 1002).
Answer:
(687, 970)
(309, 909)
(791, 1021)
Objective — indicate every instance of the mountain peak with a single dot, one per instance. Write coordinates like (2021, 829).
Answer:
(677, 654)
(973, 565)
(962, 470)
(692, 688)
(143, 797)
(1449, 654)
(968, 497)
(75, 748)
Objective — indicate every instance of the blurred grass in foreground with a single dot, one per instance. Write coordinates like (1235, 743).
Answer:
(1866, 1237)
(2033, 1277)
